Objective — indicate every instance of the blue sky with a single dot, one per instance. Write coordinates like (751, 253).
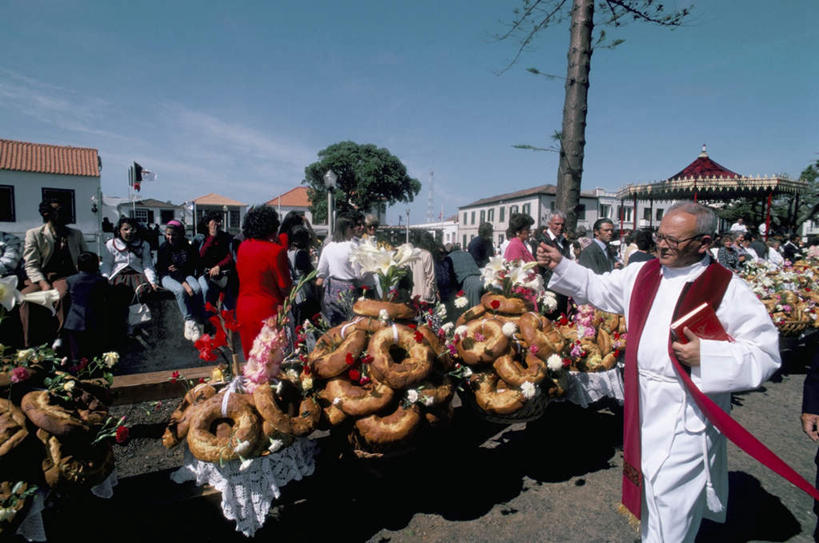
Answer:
(238, 97)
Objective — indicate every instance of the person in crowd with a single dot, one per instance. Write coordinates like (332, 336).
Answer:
(791, 249)
(597, 256)
(107, 225)
(335, 273)
(553, 234)
(480, 247)
(370, 226)
(748, 248)
(813, 247)
(359, 227)
(85, 323)
(444, 276)
(151, 235)
(518, 233)
(468, 279)
(50, 255)
(10, 254)
(675, 461)
(306, 303)
(127, 264)
(628, 247)
(645, 247)
(422, 268)
(291, 220)
(200, 234)
(758, 245)
(176, 265)
(263, 271)
(774, 256)
(739, 227)
(216, 263)
(810, 418)
(728, 255)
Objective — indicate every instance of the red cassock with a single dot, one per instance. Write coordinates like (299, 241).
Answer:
(264, 282)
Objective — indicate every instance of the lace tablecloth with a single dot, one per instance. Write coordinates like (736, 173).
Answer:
(586, 388)
(248, 493)
(32, 528)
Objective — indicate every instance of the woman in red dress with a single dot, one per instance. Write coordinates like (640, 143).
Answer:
(264, 273)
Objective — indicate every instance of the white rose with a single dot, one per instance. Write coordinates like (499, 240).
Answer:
(275, 445)
(467, 372)
(243, 448)
(246, 463)
(428, 401)
(461, 330)
(412, 395)
(554, 362)
(383, 315)
(24, 354)
(509, 329)
(461, 302)
(528, 390)
(442, 311)
(68, 386)
(110, 358)
(307, 383)
(447, 327)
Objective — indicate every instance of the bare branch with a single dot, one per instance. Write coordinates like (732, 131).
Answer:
(534, 30)
(668, 20)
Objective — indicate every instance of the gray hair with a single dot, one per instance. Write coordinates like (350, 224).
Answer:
(705, 216)
(556, 213)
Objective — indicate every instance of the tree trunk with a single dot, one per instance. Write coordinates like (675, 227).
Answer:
(575, 107)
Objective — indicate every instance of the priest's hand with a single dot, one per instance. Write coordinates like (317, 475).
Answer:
(688, 353)
(810, 425)
(548, 256)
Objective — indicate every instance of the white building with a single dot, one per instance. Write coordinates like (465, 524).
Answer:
(33, 172)
(232, 211)
(444, 231)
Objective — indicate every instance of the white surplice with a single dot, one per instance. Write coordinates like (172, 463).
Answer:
(676, 439)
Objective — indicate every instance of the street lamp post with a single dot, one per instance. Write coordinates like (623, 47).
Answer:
(408, 211)
(330, 179)
(225, 219)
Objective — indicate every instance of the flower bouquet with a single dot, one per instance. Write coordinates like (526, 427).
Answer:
(789, 294)
(595, 340)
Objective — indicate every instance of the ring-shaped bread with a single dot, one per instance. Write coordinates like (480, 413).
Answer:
(439, 392)
(372, 308)
(493, 395)
(535, 329)
(370, 325)
(178, 426)
(67, 466)
(486, 347)
(477, 312)
(357, 400)
(329, 356)
(43, 410)
(412, 368)
(12, 426)
(390, 429)
(203, 442)
(299, 423)
(514, 372)
(506, 305)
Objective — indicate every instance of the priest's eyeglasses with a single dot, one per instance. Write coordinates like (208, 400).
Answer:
(673, 242)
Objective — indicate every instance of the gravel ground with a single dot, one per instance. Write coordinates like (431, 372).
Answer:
(555, 479)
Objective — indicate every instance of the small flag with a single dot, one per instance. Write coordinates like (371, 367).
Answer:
(142, 174)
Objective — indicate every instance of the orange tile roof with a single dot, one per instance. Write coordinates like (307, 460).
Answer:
(296, 197)
(42, 158)
(214, 199)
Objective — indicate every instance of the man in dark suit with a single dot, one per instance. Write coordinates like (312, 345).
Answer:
(481, 247)
(810, 416)
(554, 236)
(596, 256)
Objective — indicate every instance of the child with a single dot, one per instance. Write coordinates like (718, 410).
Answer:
(85, 321)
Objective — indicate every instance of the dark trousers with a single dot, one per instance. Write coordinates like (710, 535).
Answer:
(38, 325)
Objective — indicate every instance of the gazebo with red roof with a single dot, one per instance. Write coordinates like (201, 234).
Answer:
(705, 179)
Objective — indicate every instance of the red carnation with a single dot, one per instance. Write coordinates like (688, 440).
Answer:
(364, 380)
(307, 370)
(298, 330)
(201, 380)
(367, 359)
(210, 308)
(354, 374)
(413, 326)
(460, 293)
(419, 337)
(567, 362)
(316, 317)
(495, 304)
(174, 376)
(122, 434)
(617, 353)
(349, 359)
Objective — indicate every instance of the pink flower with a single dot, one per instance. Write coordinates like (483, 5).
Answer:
(533, 349)
(18, 375)
(479, 337)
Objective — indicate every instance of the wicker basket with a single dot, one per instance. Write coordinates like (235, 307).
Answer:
(793, 328)
(532, 410)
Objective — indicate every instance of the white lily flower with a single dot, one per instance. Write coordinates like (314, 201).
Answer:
(528, 390)
(246, 463)
(275, 445)
(412, 395)
(243, 448)
(8, 292)
(111, 358)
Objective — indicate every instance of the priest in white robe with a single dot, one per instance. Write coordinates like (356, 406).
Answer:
(683, 461)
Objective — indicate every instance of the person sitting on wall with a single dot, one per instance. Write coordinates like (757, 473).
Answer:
(215, 259)
(50, 255)
(176, 265)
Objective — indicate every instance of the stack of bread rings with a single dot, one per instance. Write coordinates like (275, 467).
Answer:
(506, 346)
(381, 379)
(595, 346)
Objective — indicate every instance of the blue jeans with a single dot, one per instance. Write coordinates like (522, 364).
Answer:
(191, 307)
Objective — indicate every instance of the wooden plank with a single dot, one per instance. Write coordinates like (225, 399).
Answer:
(155, 385)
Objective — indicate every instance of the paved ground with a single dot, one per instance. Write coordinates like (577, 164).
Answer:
(556, 479)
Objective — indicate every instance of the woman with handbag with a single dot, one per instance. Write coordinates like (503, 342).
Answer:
(264, 273)
(176, 264)
(129, 268)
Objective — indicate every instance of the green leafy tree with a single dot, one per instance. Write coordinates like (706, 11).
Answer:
(368, 176)
(531, 18)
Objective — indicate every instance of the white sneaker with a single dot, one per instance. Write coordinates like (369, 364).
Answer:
(57, 344)
(195, 334)
(188, 328)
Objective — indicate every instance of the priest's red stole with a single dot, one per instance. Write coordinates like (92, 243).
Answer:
(710, 286)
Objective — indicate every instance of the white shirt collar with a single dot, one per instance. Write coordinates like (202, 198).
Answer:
(691, 271)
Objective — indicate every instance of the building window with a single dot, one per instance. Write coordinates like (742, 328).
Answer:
(605, 210)
(66, 199)
(502, 210)
(233, 218)
(659, 213)
(513, 210)
(647, 214)
(483, 216)
(166, 215)
(464, 247)
(500, 238)
(490, 215)
(473, 217)
(581, 212)
(7, 203)
(465, 217)
(143, 215)
(552, 205)
(527, 208)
